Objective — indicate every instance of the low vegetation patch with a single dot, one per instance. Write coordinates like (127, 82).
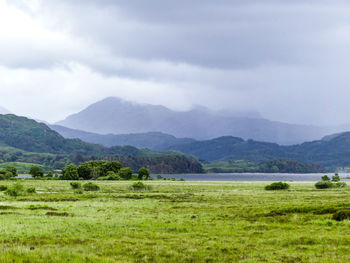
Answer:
(31, 190)
(139, 186)
(75, 185)
(326, 182)
(91, 187)
(3, 188)
(277, 186)
(57, 214)
(341, 215)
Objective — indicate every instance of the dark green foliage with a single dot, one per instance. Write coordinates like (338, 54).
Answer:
(70, 173)
(339, 185)
(12, 170)
(96, 169)
(91, 187)
(335, 178)
(341, 215)
(36, 172)
(31, 190)
(277, 186)
(3, 188)
(75, 185)
(139, 186)
(325, 178)
(324, 185)
(111, 176)
(125, 173)
(288, 166)
(49, 174)
(166, 164)
(143, 173)
(15, 190)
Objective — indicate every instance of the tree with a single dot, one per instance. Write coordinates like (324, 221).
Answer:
(12, 170)
(143, 173)
(325, 178)
(35, 171)
(336, 178)
(70, 173)
(125, 173)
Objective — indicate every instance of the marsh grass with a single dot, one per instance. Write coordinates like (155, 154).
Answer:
(174, 222)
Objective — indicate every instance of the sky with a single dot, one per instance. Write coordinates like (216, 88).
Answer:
(285, 59)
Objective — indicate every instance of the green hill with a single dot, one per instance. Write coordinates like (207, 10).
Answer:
(25, 140)
(332, 152)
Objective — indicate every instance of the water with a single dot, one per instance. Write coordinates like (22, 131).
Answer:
(250, 177)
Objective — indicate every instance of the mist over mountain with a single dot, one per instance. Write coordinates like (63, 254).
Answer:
(150, 140)
(116, 116)
(4, 111)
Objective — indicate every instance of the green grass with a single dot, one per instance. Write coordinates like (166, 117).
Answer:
(174, 222)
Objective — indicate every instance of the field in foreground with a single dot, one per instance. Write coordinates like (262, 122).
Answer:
(174, 222)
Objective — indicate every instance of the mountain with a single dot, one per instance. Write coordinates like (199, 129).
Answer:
(25, 140)
(150, 140)
(116, 116)
(332, 151)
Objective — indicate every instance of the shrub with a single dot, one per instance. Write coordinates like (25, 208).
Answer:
(324, 184)
(277, 186)
(36, 172)
(75, 185)
(325, 178)
(159, 177)
(335, 178)
(15, 190)
(341, 215)
(91, 187)
(138, 186)
(3, 188)
(125, 173)
(31, 190)
(339, 185)
(143, 173)
(79, 191)
(111, 176)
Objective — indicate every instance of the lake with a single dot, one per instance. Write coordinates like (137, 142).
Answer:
(250, 177)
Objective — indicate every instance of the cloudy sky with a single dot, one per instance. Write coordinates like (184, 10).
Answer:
(286, 59)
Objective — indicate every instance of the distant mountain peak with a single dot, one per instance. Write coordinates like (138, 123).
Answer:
(114, 115)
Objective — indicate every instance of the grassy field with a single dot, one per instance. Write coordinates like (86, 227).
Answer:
(174, 222)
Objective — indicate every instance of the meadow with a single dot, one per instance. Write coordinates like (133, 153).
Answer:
(173, 222)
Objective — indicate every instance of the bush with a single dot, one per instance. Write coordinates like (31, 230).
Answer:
(31, 190)
(15, 190)
(143, 173)
(341, 215)
(91, 187)
(325, 178)
(3, 188)
(36, 172)
(277, 186)
(339, 185)
(111, 176)
(140, 186)
(324, 184)
(75, 185)
(335, 178)
(125, 173)
(79, 191)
